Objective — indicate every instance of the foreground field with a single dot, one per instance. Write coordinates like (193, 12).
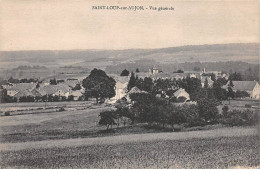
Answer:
(222, 152)
(53, 125)
(72, 139)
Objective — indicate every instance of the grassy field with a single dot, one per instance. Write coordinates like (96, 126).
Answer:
(54, 125)
(223, 152)
(72, 139)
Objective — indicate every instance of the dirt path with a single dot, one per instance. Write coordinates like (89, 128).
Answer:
(223, 132)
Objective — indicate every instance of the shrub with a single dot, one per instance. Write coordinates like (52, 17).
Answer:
(7, 114)
(242, 94)
(239, 118)
(248, 105)
(225, 110)
(70, 98)
(173, 99)
(61, 109)
(181, 99)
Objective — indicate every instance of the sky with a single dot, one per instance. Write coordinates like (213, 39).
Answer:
(72, 24)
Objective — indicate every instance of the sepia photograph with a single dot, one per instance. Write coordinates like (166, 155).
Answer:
(129, 84)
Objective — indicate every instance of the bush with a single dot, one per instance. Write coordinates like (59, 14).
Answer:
(61, 109)
(239, 118)
(181, 99)
(225, 110)
(173, 99)
(248, 105)
(7, 114)
(242, 94)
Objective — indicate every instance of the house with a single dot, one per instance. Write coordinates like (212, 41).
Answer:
(133, 90)
(252, 87)
(154, 70)
(72, 83)
(181, 93)
(77, 94)
(120, 87)
(20, 89)
(55, 90)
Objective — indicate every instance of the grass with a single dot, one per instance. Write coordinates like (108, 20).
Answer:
(155, 150)
(54, 125)
(224, 152)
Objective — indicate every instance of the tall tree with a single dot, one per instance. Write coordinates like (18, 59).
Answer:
(148, 84)
(220, 93)
(208, 110)
(53, 81)
(206, 83)
(231, 83)
(99, 85)
(230, 93)
(131, 82)
(213, 77)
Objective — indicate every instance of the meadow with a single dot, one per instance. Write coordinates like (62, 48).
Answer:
(73, 139)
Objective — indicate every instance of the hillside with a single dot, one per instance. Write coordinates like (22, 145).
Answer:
(115, 60)
(218, 52)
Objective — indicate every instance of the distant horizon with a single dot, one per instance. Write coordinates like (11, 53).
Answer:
(132, 48)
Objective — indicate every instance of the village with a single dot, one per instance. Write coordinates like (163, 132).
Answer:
(71, 89)
(129, 108)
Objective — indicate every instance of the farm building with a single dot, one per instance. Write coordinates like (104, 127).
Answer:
(133, 90)
(55, 90)
(20, 89)
(252, 87)
(77, 94)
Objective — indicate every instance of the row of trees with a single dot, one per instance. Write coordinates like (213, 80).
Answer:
(24, 80)
(126, 72)
(191, 85)
(156, 111)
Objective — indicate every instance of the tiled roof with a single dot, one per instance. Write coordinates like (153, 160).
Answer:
(72, 83)
(135, 90)
(178, 92)
(51, 89)
(22, 86)
(23, 93)
(243, 85)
